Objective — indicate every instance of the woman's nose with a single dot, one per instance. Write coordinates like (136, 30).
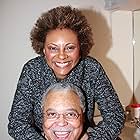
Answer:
(62, 54)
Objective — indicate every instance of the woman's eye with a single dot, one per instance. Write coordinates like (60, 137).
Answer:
(70, 48)
(53, 49)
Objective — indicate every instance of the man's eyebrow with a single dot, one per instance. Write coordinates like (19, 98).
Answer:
(70, 109)
(50, 109)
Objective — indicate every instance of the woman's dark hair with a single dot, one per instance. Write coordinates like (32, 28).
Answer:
(62, 17)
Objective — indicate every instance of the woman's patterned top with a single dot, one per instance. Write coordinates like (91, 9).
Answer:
(25, 118)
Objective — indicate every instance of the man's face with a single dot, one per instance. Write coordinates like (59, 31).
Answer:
(62, 51)
(63, 118)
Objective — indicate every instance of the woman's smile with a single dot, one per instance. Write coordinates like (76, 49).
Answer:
(62, 64)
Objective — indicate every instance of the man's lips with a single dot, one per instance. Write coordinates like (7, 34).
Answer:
(62, 134)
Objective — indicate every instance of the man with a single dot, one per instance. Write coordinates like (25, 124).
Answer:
(63, 112)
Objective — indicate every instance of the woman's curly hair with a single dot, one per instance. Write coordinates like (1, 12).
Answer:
(62, 17)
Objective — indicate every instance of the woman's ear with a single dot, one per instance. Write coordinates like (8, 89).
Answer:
(44, 51)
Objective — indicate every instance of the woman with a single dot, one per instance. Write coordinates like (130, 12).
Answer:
(63, 38)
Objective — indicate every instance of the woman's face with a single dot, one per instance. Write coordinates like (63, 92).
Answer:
(62, 51)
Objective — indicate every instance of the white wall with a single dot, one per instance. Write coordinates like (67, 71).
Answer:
(16, 20)
(113, 47)
(137, 56)
(122, 54)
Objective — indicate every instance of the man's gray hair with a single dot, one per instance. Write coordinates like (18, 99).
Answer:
(66, 87)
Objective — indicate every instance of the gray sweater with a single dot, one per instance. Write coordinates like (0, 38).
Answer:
(25, 118)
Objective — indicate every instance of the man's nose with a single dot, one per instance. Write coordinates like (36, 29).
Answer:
(62, 121)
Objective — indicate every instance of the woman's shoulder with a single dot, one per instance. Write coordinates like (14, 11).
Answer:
(35, 63)
(92, 65)
(91, 61)
(38, 60)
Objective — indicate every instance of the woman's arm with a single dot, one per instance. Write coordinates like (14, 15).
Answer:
(20, 125)
(110, 107)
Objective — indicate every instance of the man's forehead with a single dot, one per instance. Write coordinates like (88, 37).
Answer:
(62, 101)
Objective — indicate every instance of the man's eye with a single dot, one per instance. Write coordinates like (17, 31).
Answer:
(51, 114)
(71, 115)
